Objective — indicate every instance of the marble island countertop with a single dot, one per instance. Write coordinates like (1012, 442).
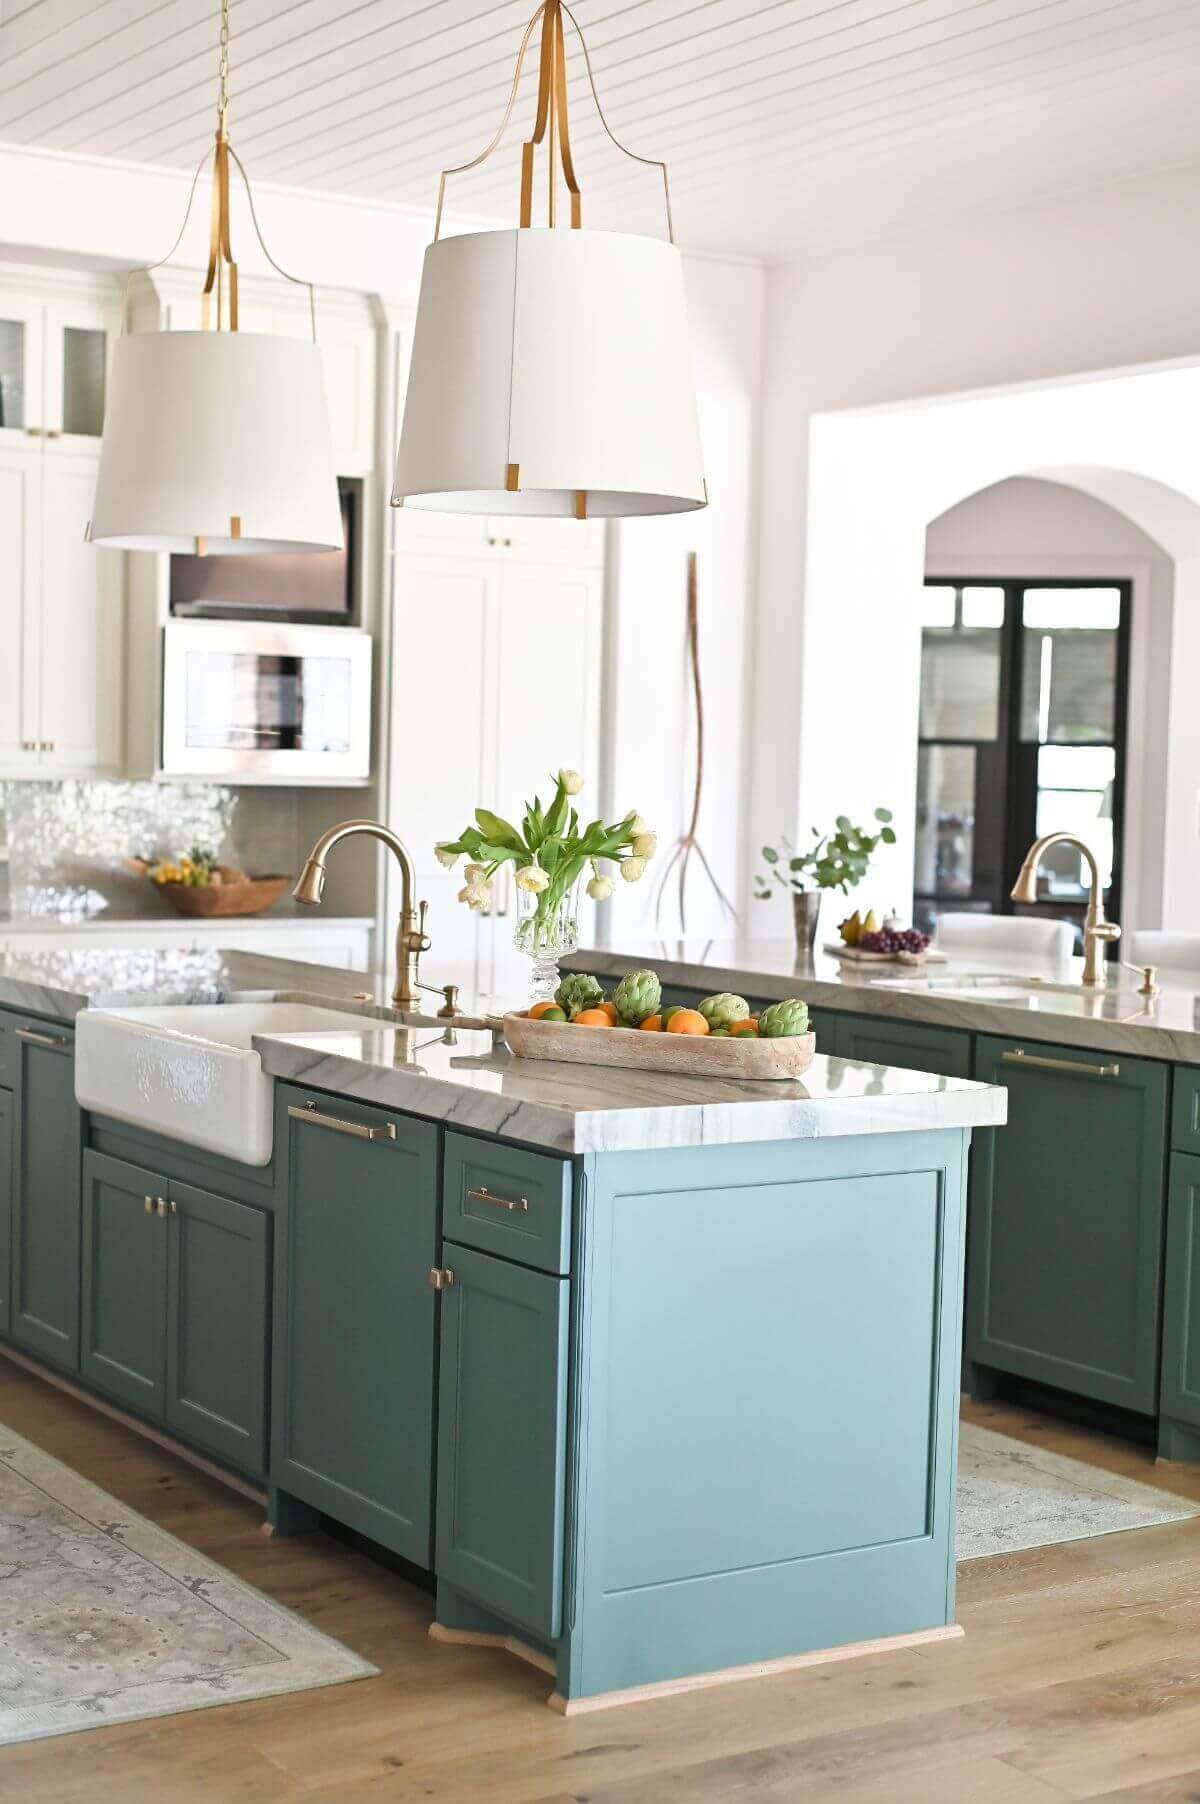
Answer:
(1007, 995)
(466, 1079)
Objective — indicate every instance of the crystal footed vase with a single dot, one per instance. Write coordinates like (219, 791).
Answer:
(546, 934)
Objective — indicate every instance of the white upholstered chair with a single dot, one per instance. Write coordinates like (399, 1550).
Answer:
(1175, 954)
(962, 936)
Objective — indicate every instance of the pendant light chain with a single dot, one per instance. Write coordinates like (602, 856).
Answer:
(223, 72)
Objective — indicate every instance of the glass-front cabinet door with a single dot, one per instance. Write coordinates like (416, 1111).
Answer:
(21, 337)
(78, 345)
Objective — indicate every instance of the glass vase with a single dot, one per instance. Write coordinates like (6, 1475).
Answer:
(545, 934)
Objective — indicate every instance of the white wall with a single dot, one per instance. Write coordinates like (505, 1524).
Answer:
(650, 730)
(1096, 281)
(1027, 528)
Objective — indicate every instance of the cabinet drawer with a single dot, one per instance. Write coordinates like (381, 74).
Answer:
(1185, 1114)
(505, 1200)
(909, 1045)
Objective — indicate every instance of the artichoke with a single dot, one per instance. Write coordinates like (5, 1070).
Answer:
(637, 996)
(783, 1019)
(724, 1009)
(578, 991)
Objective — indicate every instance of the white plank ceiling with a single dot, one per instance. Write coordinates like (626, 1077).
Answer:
(790, 126)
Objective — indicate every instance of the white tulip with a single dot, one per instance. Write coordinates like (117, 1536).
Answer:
(533, 878)
(444, 855)
(600, 889)
(571, 781)
(639, 824)
(633, 869)
(477, 896)
(645, 845)
(475, 873)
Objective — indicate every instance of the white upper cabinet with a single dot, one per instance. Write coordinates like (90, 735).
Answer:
(61, 600)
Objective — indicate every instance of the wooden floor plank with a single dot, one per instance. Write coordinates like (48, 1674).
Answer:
(1079, 1678)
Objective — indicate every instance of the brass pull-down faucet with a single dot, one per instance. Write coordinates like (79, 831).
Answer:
(1097, 931)
(411, 938)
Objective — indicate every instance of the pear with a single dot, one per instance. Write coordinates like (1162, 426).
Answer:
(851, 929)
(871, 924)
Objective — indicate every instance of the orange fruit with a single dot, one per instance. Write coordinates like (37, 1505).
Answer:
(610, 1010)
(539, 1009)
(592, 1017)
(744, 1028)
(652, 1024)
(687, 1021)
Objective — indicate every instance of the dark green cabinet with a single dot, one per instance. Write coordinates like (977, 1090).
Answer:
(1179, 1397)
(218, 1324)
(913, 1046)
(1066, 1221)
(354, 1336)
(47, 1147)
(502, 1414)
(175, 1306)
(123, 1312)
(6, 1191)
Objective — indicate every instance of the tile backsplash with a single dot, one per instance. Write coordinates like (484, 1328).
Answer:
(67, 841)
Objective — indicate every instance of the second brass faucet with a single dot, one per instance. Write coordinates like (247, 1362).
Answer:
(1097, 930)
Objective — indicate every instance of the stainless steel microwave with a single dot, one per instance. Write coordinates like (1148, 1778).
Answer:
(266, 702)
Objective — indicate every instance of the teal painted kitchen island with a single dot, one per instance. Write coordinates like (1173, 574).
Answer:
(657, 1377)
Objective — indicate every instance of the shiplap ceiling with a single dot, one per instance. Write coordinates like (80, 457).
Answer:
(790, 126)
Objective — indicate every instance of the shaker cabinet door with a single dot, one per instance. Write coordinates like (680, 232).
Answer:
(502, 1423)
(1066, 1221)
(6, 1190)
(218, 1303)
(124, 1275)
(354, 1333)
(47, 1126)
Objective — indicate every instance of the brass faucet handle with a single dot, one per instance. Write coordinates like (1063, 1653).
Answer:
(423, 941)
(1104, 930)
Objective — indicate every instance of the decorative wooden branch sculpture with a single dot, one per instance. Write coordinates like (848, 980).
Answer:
(689, 843)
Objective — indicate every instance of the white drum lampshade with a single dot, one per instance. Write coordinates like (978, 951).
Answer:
(551, 375)
(216, 442)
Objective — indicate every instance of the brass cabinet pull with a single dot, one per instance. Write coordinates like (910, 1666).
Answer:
(162, 1205)
(156, 1205)
(484, 1195)
(149, 1202)
(29, 745)
(172, 1207)
(310, 1112)
(441, 1277)
(33, 432)
(1077, 1066)
(51, 1042)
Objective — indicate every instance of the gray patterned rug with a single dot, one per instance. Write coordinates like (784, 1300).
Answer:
(1011, 1496)
(105, 1618)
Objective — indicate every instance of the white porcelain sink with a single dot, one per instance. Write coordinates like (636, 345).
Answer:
(190, 1073)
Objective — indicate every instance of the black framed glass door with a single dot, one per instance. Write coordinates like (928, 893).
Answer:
(1022, 732)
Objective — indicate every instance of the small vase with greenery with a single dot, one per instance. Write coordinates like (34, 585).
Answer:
(837, 860)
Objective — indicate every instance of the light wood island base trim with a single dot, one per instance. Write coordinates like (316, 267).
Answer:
(482, 1638)
(762, 1669)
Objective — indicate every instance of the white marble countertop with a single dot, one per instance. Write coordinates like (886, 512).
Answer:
(285, 915)
(954, 994)
(465, 1080)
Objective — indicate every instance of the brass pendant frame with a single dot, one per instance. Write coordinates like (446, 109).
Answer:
(551, 125)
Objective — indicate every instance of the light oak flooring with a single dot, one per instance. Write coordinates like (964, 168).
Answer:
(1079, 1678)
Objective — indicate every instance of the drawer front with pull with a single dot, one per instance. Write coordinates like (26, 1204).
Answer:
(1066, 1221)
(506, 1200)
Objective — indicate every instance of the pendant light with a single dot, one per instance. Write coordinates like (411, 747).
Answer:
(550, 369)
(217, 440)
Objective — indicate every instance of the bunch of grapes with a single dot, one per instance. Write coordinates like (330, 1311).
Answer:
(894, 939)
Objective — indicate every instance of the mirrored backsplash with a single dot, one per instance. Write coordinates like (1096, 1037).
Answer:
(67, 841)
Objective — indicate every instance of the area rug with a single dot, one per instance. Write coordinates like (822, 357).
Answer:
(1012, 1496)
(105, 1618)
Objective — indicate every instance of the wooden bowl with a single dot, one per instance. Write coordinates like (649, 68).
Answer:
(693, 1055)
(248, 898)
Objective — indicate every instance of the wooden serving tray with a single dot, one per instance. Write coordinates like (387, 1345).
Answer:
(854, 956)
(693, 1055)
